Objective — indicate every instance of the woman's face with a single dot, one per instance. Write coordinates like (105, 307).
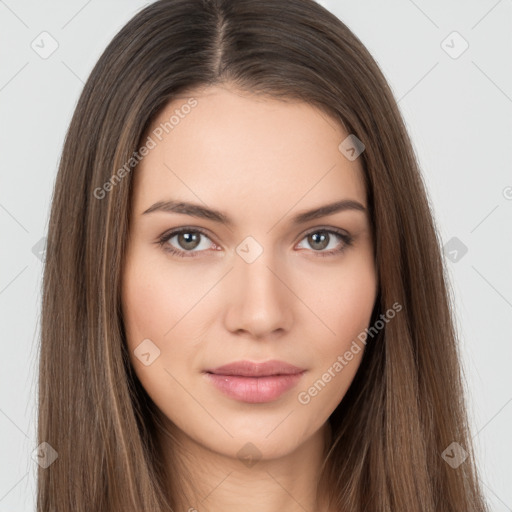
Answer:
(258, 273)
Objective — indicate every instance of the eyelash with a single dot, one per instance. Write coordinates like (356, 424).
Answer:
(347, 241)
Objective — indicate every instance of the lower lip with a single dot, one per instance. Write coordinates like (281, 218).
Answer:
(254, 390)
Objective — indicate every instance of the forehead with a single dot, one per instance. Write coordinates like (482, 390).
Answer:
(220, 145)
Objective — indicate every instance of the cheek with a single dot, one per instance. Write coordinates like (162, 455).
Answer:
(343, 296)
(146, 307)
(345, 307)
(149, 306)
(154, 304)
(342, 300)
(156, 299)
(166, 305)
(352, 309)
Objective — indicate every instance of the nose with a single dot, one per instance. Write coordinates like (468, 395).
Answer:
(259, 304)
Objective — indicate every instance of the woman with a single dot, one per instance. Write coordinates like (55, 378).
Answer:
(245, 306)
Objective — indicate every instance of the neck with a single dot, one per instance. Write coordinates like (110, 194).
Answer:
(205, 480)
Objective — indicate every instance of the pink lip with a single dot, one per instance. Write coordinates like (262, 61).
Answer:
(255, 382)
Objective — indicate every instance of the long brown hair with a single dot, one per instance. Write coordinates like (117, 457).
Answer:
(405, 405)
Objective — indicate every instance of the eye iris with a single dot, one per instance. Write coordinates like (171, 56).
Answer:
(189, 240)
(319, 240)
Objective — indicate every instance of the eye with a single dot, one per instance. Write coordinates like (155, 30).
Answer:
(326, 241)
(186, 242)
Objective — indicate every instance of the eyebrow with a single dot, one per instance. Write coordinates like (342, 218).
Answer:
(203, 212)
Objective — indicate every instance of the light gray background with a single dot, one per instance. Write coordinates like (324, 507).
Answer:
(459, 115)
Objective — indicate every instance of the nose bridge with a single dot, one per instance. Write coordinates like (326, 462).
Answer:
(260, 303)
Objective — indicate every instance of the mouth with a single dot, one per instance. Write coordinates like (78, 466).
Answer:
(250, 369)
(250, 382)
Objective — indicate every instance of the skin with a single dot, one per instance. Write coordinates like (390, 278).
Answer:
(260, 161)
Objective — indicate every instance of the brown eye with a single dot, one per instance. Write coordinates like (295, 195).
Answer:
(186, 242)
(189, 240)
(319, 240)
(326, 242)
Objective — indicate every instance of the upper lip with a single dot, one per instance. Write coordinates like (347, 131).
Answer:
(250, 369)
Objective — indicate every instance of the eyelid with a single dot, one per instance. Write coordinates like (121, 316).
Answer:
(345, 236)
(171, 233)
(330, 229)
